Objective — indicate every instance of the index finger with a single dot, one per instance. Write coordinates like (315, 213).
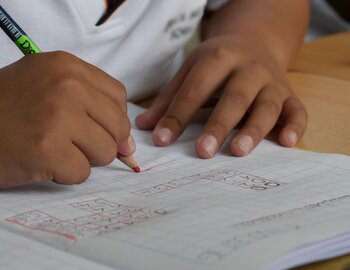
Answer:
(198, 86)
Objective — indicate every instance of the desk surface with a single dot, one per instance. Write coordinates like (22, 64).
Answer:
(327, 99)
(328, 56)
(328, 104)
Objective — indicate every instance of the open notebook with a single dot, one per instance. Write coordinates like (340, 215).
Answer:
(274, 209)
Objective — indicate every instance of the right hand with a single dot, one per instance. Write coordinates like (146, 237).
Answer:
(58, 117)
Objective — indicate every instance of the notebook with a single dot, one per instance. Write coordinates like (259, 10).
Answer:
(274, 209)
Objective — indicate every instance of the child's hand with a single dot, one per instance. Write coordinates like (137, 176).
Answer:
(58, 116)
(248, 79)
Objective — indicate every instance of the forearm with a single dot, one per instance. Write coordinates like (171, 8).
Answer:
(267, 23)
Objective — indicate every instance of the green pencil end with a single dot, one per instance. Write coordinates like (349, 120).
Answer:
(27, 46)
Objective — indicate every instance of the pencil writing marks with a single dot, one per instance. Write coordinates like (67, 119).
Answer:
(37, 220)
(252, 231)
(240, 179)
(173, 184)
(96, 206)
(103, 217)
(226, 176)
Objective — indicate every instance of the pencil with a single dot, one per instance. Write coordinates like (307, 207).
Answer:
(129, 161)
(27, 46)
(16, 34)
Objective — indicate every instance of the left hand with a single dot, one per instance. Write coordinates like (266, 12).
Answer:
(251, 81)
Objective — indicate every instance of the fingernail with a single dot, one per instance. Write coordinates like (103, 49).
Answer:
(210, 144)
(292, 137)
(131, 144)
(165, 135)
(245, 143)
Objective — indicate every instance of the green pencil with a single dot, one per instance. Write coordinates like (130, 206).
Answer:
(16, 34)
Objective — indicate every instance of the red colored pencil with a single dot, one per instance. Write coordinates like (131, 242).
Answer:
(129, 161)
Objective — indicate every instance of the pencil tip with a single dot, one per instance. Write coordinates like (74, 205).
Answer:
(137, 169)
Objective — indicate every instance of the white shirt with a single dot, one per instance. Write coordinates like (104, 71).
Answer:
(140, 45)
(325, 20)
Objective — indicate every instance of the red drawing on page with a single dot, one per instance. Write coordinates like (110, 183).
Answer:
(240, 179)
(226, 176)
(102, 216)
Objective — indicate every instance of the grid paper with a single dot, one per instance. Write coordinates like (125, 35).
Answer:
(19, 253)
(188, 213)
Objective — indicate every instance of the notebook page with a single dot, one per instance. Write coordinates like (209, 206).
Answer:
(18, 252)
(188, 213)
(325, 249)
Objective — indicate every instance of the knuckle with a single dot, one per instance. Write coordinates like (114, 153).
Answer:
(62, 57)
(271, 106)
(218, 128)
(173, 121)
(256, 133)
(238, 99)
(44, 144)
(222, 53)
(65, 79)
(66, 83)
(190, 96)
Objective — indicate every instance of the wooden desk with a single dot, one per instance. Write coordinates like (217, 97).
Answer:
(328, 104)
(328, 56)
(327, 100)
(340, 263)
